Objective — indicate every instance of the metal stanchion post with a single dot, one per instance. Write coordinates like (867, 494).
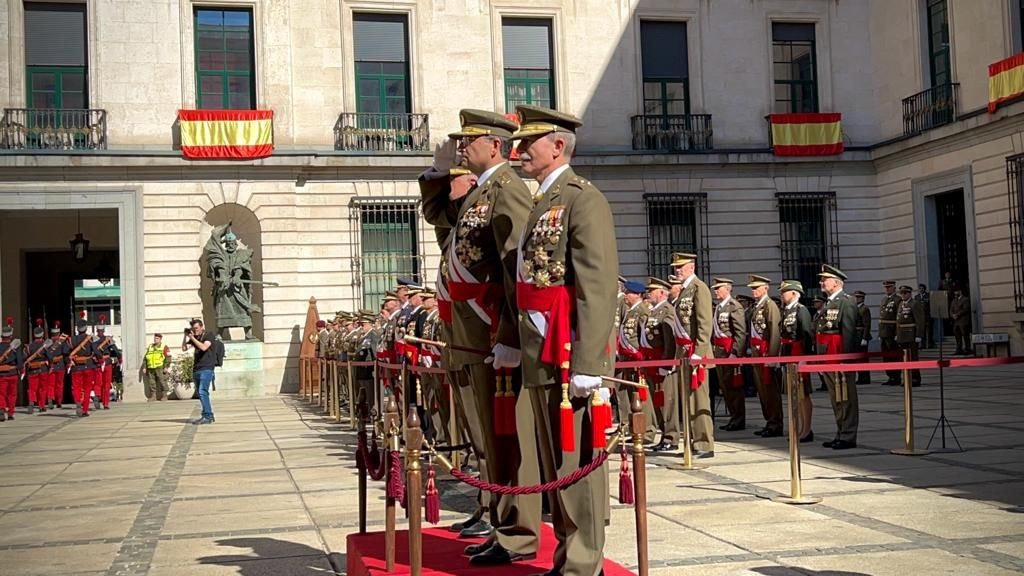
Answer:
(391, 416)
(908, 408)
(684, 383)
(638, 428)
(362, 472)
(351, 395)
(453, 424)
(302, 378)
(796, 495)
(413, 490)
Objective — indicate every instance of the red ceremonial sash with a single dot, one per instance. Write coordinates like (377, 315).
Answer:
(559, 302)
(833, 343)
(793, 347)
(487, 295)
(444, 310)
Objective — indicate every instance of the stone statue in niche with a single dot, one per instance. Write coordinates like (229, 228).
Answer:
(230, 268)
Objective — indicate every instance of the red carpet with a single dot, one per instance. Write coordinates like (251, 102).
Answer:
(442, 554)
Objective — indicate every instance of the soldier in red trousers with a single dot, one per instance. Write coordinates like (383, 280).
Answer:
(109, 355)
(82, 357)
(58, 365)
(37, 367)
(12, 361)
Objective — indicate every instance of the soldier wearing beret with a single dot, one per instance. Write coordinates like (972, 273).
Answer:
(764, 341)
(479, 274)
(567, 265)
(693, 327)
(796, 335)
(839, 336)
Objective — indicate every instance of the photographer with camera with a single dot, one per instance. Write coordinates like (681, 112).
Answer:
(202, 368)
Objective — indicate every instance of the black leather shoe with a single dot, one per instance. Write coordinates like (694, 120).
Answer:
(480, 529)
(891, 383)
(843, 445)
(760, 432)
(808, 438)
(474, 549)
(732, 427)
(705, 454)
(766, 433)
(458, 526)
(666, 447)
(497, 556)
(829, 444)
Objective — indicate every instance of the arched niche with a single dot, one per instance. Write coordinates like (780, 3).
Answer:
(246, 226)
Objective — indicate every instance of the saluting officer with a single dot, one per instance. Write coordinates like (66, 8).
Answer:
(764, 341)
(910, 328)
(839, 336)
(729, 338)
(693, 327)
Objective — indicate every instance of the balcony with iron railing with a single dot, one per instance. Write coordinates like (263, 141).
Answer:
(381, 133)
(930, 108)
(672, 132)
(53, 129)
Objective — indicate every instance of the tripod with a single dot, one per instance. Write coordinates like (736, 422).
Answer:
(943, 422)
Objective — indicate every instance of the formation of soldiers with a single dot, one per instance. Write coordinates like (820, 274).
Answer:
(527, 310)
(44, 364)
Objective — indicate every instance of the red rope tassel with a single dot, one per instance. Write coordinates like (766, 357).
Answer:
(600, 418)
(396, 484)
(566, 429)
(625, 480)
(433, 500)
(659, 398)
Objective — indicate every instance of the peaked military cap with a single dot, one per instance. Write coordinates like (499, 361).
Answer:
(721, 282)
(367, 316)
(819, 299)
(414, 290)
(828, 271)
(758, 281)
(622, 279)
(538, 121)
(634, 287)
(657, 284)
(674, 280)
(484, 123)
(905, 288)
(790, 285)
(682, 259)
(889, 283)
(427, 293)
(390, 296)
(860, 293)
(405, 282)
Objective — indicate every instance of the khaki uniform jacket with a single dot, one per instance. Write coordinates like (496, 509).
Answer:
(485, 229)
(960, 311)
(765, 319)
(569, 239)
(694, 312)
(797, 325)
(864, 322)
(731, 321)
(658, 333)
(910, 322)
(841, 318)
(887, 316)
(633, 320)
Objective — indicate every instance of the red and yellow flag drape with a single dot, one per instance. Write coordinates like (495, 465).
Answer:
(226, 134)
(1005, 81)
(808, 134)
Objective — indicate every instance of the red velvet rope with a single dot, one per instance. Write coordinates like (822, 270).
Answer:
(559, 484)
(363, 459)
(914, 365)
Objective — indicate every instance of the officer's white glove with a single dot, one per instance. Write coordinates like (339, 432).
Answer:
(772, 365)
(504, 357)
(695, 358)
(917, 340)
(444, 155)
(863, 342)
(427, 361)
(732, 355)
(581, 385)
(665, 371)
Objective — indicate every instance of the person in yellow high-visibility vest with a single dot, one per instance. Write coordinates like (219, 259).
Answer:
(155, 363)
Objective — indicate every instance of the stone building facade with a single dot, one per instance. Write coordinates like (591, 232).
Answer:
(674, 95)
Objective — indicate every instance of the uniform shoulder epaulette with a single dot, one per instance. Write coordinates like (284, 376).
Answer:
(579, 182)
(505, 178)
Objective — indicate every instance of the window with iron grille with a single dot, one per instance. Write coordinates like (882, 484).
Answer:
(794, 68)
(676, 223)
(225, 58)
(527, 58)
(809, 234)
(1015, 193)
(386, 245)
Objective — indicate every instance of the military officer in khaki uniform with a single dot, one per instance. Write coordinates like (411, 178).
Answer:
(796, 333)
(910, 327)
(819, 324)
(480, 279)
(629, 350)
(839, 336)
(658, 342)
(675, 284)
(863, 331)
(960, 313)
(729, 338)
(693, 341)
(887, 327)
(566, 300)
(764, 341)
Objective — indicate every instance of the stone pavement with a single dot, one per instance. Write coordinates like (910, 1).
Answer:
(271, 489)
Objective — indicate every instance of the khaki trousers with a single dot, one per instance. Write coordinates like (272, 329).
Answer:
(735, 400)
(847, 412)
(767, 382)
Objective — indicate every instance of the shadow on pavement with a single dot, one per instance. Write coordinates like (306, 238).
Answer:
(270, 556)
(783, 571)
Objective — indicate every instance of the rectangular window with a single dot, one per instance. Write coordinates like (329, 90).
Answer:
(55, 56)
(676, 223)
(937, 15)
(382, 64)
(810, 236)
(388, 247)
(665, 69)
(527, 56)
(225, 59)
(794, 68)
(1015, 196)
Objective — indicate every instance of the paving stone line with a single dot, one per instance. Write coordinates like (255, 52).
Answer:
(136, 551)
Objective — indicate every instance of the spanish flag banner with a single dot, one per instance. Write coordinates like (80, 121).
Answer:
(808, 134)
(1005, 81)
(226, 134)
